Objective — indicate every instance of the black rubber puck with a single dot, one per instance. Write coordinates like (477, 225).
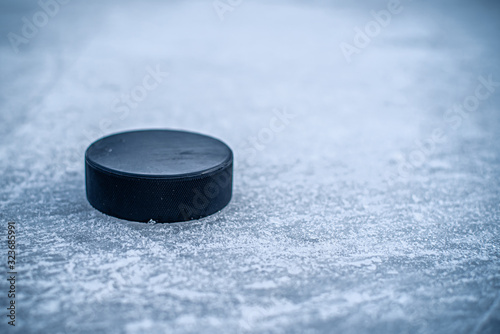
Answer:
(161, 175)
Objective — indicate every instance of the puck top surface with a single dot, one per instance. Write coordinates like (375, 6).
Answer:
(159, 153)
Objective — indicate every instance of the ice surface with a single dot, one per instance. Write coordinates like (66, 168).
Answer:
(328, 230)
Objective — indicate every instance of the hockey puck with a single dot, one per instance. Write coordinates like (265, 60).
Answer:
(161, 175)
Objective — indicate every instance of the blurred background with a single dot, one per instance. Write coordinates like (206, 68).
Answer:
(367, 148)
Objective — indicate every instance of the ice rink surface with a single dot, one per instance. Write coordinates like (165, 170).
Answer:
(367, 187)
